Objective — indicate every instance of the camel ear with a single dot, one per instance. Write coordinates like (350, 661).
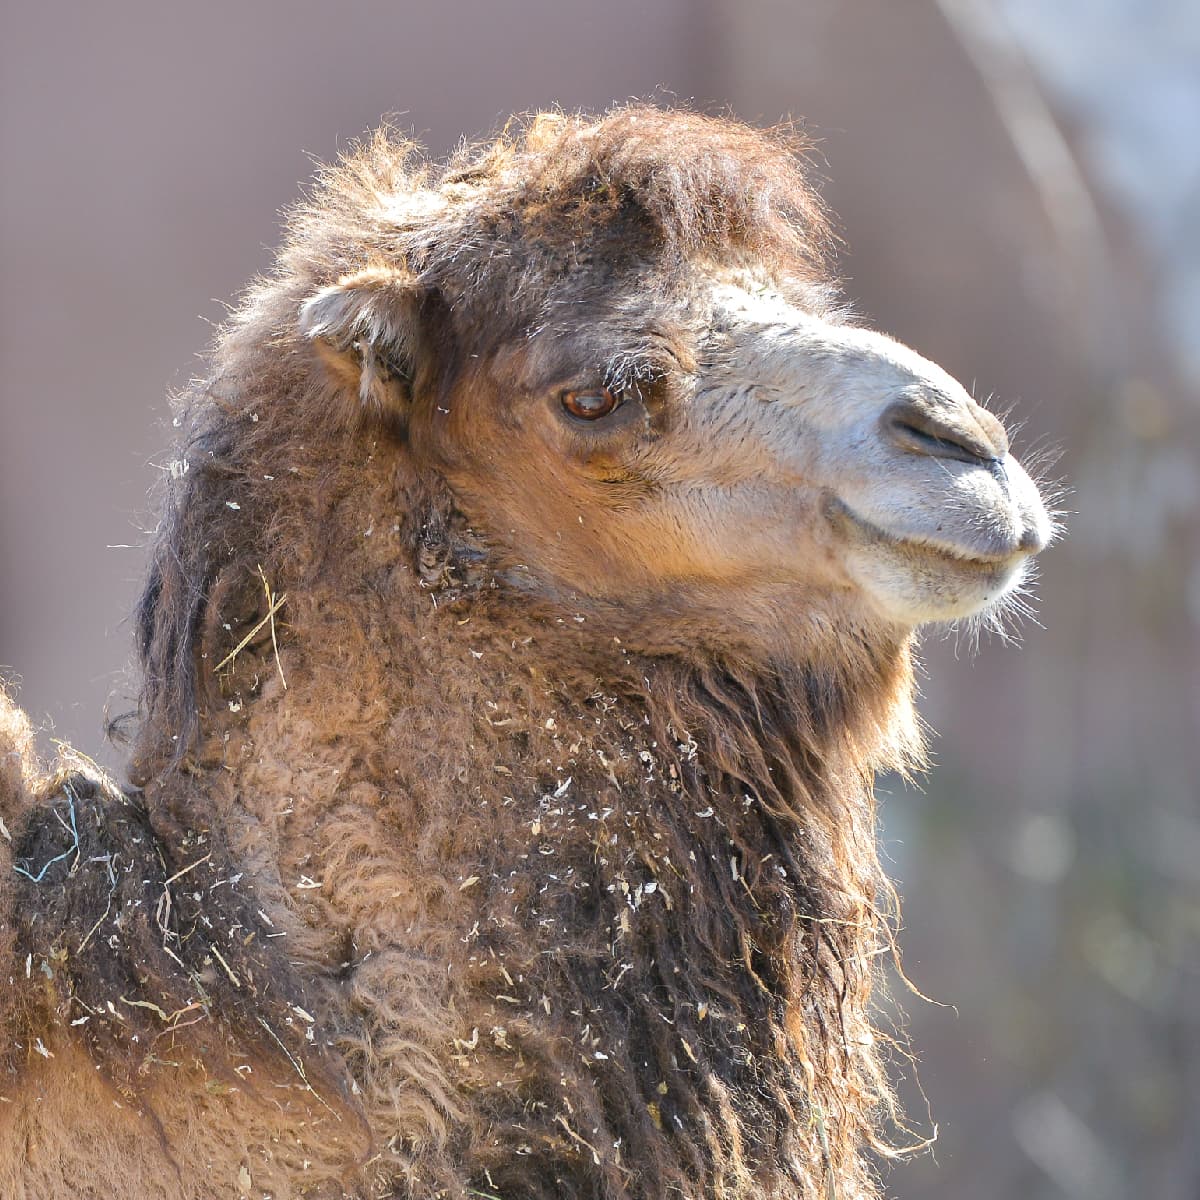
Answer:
(364, 328)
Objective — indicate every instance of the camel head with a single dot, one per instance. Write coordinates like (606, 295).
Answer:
(617, 342)
(573, 473)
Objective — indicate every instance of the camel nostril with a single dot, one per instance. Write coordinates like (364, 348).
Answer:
(966, 436)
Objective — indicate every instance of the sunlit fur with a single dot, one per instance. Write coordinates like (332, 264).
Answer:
(503, 822)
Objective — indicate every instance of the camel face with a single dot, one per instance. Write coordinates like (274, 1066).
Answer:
(620, 347)
(736, 438)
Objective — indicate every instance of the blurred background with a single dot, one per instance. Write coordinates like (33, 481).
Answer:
(1018, 185)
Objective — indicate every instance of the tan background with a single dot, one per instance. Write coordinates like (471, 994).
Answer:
(1052, 865)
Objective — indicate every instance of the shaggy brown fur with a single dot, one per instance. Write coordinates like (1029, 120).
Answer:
(442, 877)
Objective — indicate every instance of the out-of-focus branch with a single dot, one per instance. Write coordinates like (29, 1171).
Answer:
(1062, 187)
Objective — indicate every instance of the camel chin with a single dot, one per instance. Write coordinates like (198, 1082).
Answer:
(955, 560)
(915, 583)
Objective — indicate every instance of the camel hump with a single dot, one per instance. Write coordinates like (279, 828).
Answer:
(124, 934)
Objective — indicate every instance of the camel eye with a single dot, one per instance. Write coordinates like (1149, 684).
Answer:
(589, 404)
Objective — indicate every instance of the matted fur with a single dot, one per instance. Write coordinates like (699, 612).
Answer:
(487, 892)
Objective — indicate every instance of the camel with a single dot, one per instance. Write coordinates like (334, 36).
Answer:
(531, 609)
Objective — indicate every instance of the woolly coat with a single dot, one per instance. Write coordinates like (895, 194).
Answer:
(434, 882)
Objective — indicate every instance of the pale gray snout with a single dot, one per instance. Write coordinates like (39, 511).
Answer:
(925, 421)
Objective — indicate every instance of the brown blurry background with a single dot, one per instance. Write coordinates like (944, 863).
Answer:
(1019, 190)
